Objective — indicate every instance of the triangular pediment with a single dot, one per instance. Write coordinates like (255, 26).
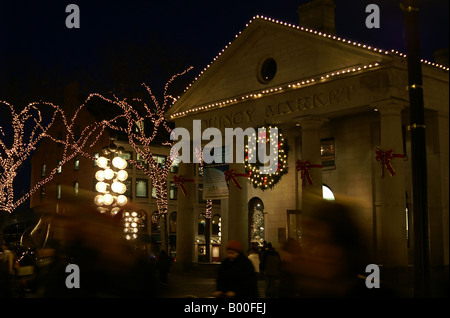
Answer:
(299, 54)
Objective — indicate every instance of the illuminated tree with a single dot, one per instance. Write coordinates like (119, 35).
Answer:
(144, 125)
(20, 135)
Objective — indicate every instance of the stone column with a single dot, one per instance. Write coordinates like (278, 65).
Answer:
(186, 218)
(237, 220)
(392, 245)
(310, 126)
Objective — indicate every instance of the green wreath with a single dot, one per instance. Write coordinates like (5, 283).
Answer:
(258, 179)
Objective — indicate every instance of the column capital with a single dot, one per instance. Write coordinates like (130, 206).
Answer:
(390, 106)
(311, 122)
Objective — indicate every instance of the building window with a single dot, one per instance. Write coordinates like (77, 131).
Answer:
(43, 169)
(76, 188)
(267, 70)
(200, 194)
(141, 188)
(127, 155)
(201, 224)
(155, 227)
(128, 193)
(161, 160)
(76, 165)
(174, 166)
(58, 192)
(173, 223)
(327, 152)
(42, 193)
(327, 194)
(96, 156)
(141, 161)
(173, 191)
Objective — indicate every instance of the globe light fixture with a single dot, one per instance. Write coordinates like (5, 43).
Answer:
(119, 163)
(110, 179)
(102, 162)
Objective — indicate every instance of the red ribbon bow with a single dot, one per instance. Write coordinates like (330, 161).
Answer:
(232, 175)
(386, 157)
(303, 167)
(179, 181)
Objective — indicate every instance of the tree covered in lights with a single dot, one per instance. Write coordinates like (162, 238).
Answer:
(144, 125)
(21, 132)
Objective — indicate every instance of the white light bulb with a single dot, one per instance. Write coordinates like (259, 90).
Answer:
(118, 187)
(108, 199)
(109, 174)
(98, 200)
(102, 162)
(119, 163)
(121, 200)
(100, 175)
(122, 175)
(101, 187)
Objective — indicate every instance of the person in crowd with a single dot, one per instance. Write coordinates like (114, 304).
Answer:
(253, 256)
(331, 261)
(163, 266)
(271, 266)
(236, 276)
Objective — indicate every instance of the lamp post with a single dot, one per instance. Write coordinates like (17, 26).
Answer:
(110, 178)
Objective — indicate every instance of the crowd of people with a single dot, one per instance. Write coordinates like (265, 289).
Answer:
(328, 262)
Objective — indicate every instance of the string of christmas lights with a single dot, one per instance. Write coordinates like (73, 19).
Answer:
(141, 139)
(252, 167)
(23, 145)
(306, 30)
(278, 89)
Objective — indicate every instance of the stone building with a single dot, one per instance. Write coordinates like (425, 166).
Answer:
(336, 102)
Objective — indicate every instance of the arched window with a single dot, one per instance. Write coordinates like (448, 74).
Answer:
(156, 227)
(327, 194)
(256, 220)
(201, 224)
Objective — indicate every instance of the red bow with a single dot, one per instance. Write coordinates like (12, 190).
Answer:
(303, 167)
(179, 181)
(386, 157)
(232, 175)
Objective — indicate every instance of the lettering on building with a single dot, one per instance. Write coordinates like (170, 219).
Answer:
(319, 99)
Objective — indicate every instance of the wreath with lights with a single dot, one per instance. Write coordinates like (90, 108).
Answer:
(258, 179)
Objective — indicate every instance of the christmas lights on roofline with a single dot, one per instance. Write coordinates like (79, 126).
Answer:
(318, 33)
(277, 89)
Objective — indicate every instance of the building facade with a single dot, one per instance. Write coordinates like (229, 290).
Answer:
(74, 181)
(339, 104)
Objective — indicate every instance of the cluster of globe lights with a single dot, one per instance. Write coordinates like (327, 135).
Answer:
(110, 180)
(131, 225)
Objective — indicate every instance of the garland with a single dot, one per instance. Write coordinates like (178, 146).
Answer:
(258, 179)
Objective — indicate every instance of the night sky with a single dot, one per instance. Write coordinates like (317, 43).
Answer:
(121, 44)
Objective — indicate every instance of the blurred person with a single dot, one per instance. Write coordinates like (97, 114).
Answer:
(108, 266)
(271, 266)
(236, 276)
(253, 256)
(6, 271)
(332, 259)
(163, 266)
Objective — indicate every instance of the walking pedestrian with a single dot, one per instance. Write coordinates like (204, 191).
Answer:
(253, 256)
(163, 265)
(271, 266)
(236, 275)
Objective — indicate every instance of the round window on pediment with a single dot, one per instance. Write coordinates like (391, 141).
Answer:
(267, 70)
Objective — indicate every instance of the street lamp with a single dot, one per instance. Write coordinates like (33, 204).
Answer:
(109, 180)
